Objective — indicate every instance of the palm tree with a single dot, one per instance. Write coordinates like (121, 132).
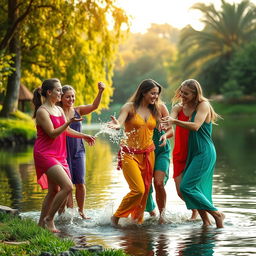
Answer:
(225, 30)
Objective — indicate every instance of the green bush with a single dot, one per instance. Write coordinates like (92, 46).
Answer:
(19, 126)
(232, 90)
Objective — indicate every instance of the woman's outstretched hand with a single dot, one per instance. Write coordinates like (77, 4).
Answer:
(74, 119)
(166, 122)
(89, 139)
(114, 123)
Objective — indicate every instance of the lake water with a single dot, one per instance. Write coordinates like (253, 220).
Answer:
(234, 193)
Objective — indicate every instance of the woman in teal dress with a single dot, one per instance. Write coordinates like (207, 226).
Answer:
(196, 183)
(161, 169)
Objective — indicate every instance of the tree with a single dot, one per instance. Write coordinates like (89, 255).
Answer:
(242, 70)
(145, 56)
(225, 30)
(70, 40)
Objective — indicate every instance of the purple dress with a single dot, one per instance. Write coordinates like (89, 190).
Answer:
(76, 154)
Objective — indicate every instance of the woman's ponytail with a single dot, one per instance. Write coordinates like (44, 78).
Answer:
(37, 101)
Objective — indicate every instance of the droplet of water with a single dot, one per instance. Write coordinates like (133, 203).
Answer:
(115, 136)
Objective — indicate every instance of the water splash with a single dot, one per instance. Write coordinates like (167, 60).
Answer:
(115, 136)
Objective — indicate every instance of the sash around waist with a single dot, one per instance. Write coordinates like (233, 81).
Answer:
(126, 149)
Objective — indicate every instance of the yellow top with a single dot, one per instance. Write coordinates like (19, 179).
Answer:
(139, 132)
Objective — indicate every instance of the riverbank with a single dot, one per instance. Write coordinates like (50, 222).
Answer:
(18, 129)
(24, 237)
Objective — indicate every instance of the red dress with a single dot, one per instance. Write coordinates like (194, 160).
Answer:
(180, 150)
(49, 152)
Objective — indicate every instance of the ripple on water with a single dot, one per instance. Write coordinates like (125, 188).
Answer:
(177, 237)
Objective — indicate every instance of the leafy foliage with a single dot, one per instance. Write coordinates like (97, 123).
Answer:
(242, 70)
(71, 40)
(232, 90)
(224, 32)
(5, 68)
(143, 56)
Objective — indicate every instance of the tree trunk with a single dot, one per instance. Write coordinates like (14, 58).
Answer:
(10, 103)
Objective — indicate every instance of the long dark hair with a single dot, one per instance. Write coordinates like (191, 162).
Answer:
(144, 87)
(47, 84)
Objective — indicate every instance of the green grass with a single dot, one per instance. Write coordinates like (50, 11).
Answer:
(15, 229)
(18, 127)
(234, 109)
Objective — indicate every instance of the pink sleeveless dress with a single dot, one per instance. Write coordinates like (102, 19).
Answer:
(49, 152)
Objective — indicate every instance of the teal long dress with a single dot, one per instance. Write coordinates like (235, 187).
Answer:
(196, 183)
(162, 163)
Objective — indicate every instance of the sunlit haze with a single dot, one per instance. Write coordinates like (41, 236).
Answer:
(176, 13)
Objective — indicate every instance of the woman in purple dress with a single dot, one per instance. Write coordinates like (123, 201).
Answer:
(75, 147)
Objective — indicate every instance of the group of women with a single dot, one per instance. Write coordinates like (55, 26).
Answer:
(144, 155)
(59, 153)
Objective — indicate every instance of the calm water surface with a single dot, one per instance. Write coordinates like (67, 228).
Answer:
(234, 193)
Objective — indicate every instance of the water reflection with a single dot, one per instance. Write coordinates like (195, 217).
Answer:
(199, 242)
(14, 166)
(143, 241)
(233, 193)
(99, 173)
(138, 241)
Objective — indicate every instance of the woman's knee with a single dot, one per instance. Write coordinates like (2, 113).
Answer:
(139, 191)
(67, 187)
(52, 192)
(158, 184)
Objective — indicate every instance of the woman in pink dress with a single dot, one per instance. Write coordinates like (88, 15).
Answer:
(50, 149)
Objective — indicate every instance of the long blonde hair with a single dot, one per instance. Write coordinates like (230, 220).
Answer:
(196, 88)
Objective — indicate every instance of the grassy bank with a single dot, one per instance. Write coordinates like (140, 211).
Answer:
(19, 128)
(24, 237)
(230, 109)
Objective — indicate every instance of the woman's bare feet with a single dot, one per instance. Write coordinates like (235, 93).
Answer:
(207, 223)
(194, 215)
(219, 219)
(152, 213)
(205, 217)
(114, 221)
(161, 220)
(83, 216)
(49, 224)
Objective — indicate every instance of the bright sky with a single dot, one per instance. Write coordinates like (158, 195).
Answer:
(174, 12)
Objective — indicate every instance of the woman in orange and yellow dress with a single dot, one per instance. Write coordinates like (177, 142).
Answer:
(136, 156)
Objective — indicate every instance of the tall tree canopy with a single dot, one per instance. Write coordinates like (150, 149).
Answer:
(71, 40)
(145, 56)
(205, 54)
(241, 71)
